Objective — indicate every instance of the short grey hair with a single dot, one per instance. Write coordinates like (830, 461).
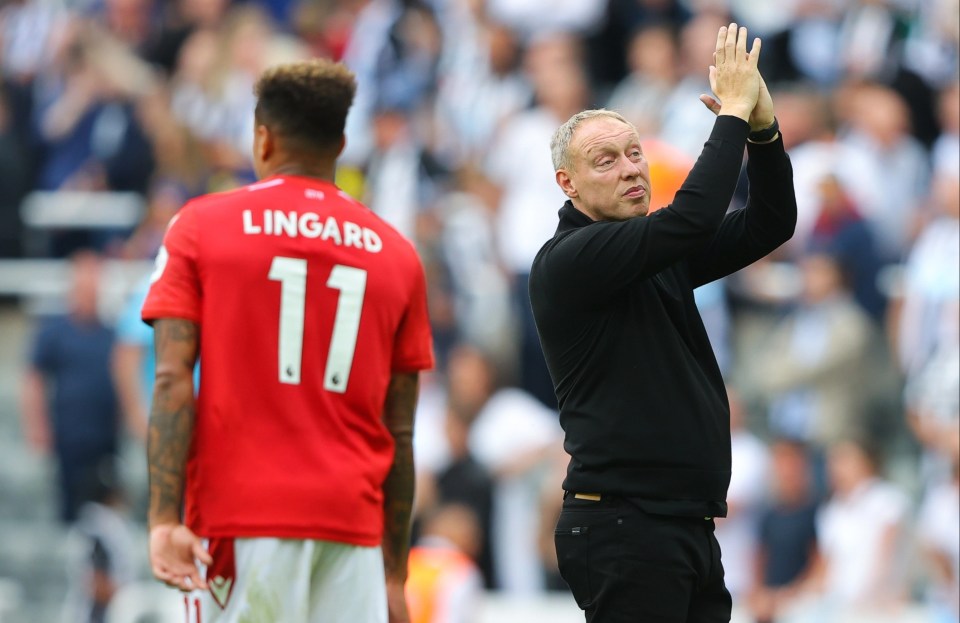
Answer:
(560, 143)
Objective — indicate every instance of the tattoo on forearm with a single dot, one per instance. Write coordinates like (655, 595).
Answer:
(172, 416)
(168, 443)
(398, 489)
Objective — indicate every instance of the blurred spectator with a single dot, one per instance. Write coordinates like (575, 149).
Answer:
(102, 550)
(607, 46)
(462, 480)
(402, 176)
(482, 86)
(479, 286)
(444, 584)
(946, 148)
(513, 436)
(940, 542)
(653, 74)
(85, 117)
(737, 532)
(361, 55)
(520, 164)
(809, 119)
(879, 125)
(811, 366)
(406, 65)
(787, 536)
(28, 32)
(925, 321)
(69, 404)
(684, 123)
(860, 532)
(841, 231)
(932, 397)
(14, 171)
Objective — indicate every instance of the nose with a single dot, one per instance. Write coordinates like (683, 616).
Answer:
(631, 169)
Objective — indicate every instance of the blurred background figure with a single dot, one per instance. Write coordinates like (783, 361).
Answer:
(811, 365)
(737, 532)
(786, 554)
(512, 436)
(69, 405)
(459, 478)
(519, 165)
(940, 543)
(445, 585)
(860, 532)
(104, 553)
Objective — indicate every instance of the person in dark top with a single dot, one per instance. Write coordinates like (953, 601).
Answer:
(70, 407)
(787, 539)
(642, 401)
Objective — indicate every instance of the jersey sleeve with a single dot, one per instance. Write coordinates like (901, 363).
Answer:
(413, 344)
(175, 282)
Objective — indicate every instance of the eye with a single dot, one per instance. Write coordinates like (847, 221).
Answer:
(605, 162)
(636, 155)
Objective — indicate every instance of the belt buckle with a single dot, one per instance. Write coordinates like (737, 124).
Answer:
(592, 497)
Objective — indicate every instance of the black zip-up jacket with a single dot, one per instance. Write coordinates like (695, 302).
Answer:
(642, 401)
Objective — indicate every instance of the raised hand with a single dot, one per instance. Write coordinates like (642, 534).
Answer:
(734, 77)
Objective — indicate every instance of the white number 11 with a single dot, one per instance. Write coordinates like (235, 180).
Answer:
(352, 283)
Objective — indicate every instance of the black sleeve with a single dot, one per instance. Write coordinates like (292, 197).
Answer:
(602, 258)
(766, 222)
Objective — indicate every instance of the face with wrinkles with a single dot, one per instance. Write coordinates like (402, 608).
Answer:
(608, 177)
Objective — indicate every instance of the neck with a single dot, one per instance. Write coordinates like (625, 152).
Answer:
(321, 170)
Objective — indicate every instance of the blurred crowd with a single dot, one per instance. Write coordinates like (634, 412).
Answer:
(842, 350)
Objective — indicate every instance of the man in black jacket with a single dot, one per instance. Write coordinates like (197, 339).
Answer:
(642, 400)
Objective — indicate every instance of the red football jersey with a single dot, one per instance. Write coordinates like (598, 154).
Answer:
(307, 302)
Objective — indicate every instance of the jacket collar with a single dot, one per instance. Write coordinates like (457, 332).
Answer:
(572, 218)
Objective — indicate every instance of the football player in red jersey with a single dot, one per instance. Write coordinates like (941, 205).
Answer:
(294, 463)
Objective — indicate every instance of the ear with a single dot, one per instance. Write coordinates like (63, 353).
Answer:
(343, 143)
(264, 144)
(566, 184)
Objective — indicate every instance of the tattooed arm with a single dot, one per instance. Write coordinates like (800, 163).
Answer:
(398, 490)
(173, 546)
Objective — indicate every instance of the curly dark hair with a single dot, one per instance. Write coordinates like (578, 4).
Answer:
(306, 102)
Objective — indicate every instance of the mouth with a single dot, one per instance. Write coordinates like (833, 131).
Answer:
(635, 192)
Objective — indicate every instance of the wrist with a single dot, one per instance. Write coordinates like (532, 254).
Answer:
(766, 134)
(734, 109)
(162, 523)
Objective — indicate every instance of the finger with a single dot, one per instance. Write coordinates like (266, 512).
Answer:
(730, 43)
(163, 574)
(202, 554)
(712, 76)
(721, 40)
(711, 104)
(196, 580)
(742, 44)
(755, 52)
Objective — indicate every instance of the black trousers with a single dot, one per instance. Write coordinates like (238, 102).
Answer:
(624, 565)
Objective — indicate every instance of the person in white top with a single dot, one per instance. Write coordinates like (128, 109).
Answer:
(859, 532)
(940, 542)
